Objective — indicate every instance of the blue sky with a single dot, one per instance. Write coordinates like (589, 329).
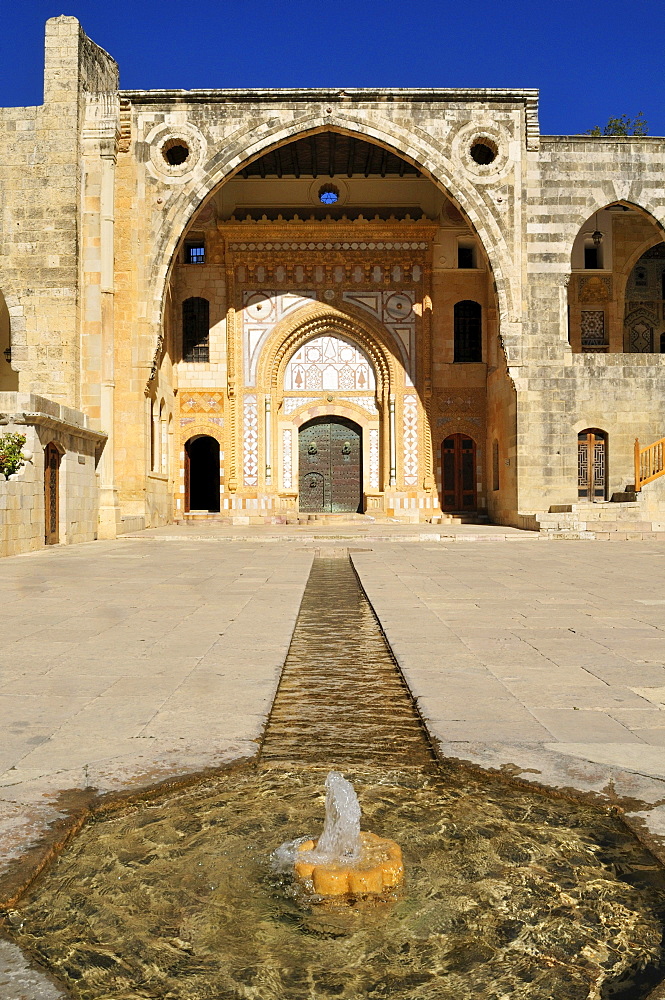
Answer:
(589, 59)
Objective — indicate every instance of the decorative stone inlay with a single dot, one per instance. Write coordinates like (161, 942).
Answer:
(395, 309)
(291, 403)
(410, 425)
(261, 310)
(287, 465)
(328, 363)
(374, 458)
(367, 402)
(250, 441)
(205, 401)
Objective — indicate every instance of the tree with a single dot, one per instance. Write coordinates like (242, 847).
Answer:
(625, 125)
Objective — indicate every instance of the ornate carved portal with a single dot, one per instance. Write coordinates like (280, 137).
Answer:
(338, 329)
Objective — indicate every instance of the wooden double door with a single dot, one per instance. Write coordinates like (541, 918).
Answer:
(458, 473)
(330, 466)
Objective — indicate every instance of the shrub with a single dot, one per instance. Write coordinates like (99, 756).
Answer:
(11, 459)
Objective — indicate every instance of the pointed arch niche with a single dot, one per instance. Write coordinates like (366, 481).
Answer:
(616, 288)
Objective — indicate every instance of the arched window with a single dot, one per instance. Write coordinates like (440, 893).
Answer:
(468, 331)
(195, 329)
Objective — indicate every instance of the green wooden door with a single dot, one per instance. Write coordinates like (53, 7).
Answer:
(330, 464)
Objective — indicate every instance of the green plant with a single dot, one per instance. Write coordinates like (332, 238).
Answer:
(11, 459)
(623, 125)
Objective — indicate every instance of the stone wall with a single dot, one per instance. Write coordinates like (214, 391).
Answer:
(42, 421)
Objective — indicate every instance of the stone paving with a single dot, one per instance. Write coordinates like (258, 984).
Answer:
(545, 661)
(124, 664)
(129, 662)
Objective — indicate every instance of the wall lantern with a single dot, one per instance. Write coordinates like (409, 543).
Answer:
(8, 355)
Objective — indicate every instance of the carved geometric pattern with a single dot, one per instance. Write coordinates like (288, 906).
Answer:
(374, 458)
(328, 363)
(244, 247)
(595, 288)
(250, 441)
(592, 324)
(205, 401)
(287, 473)
(641, 338)
(367, 402)
(261, 311)
(291, 403)
(410, 438)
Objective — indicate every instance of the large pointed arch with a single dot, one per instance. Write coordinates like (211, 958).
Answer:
(412, 144)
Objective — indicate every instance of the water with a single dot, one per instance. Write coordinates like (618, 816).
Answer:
(339, 842)
(341, 701)
(507, 892)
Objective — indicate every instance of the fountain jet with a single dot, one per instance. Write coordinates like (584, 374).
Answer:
(344, 860)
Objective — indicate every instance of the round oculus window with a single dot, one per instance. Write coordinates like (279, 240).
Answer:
(483, 152)
(175, 152)
(328, 194)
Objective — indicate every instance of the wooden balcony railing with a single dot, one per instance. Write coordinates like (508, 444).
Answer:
(649, 463)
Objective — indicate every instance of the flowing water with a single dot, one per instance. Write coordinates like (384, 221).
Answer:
(341, 701)
(508, 893)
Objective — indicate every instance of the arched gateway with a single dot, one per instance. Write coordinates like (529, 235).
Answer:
(314, 332)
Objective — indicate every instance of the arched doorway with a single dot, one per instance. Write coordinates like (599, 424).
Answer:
(202, 477)
(592, 464)
(458, 473)
(51, 494)
(330, 466)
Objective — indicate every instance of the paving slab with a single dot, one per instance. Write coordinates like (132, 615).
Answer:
(570, 697)
(165, 662)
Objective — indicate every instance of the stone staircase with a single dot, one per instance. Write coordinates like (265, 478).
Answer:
(627, 516)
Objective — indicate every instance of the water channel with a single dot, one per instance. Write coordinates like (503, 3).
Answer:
(508, 892)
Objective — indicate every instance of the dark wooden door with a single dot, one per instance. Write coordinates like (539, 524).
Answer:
(51, 494)
(458, 473)
(591, 465)
(330, 464)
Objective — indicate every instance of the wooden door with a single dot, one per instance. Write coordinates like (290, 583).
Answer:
(330, 467)
(51, 494)
(591, 465)
(458, 473)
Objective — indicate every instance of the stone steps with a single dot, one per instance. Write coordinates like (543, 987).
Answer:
(605, 521)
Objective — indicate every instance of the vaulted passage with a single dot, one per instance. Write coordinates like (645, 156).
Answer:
(341, 700)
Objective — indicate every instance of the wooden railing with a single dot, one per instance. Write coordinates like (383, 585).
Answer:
(649, 463)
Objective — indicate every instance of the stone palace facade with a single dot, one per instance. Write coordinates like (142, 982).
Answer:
(275, 304)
